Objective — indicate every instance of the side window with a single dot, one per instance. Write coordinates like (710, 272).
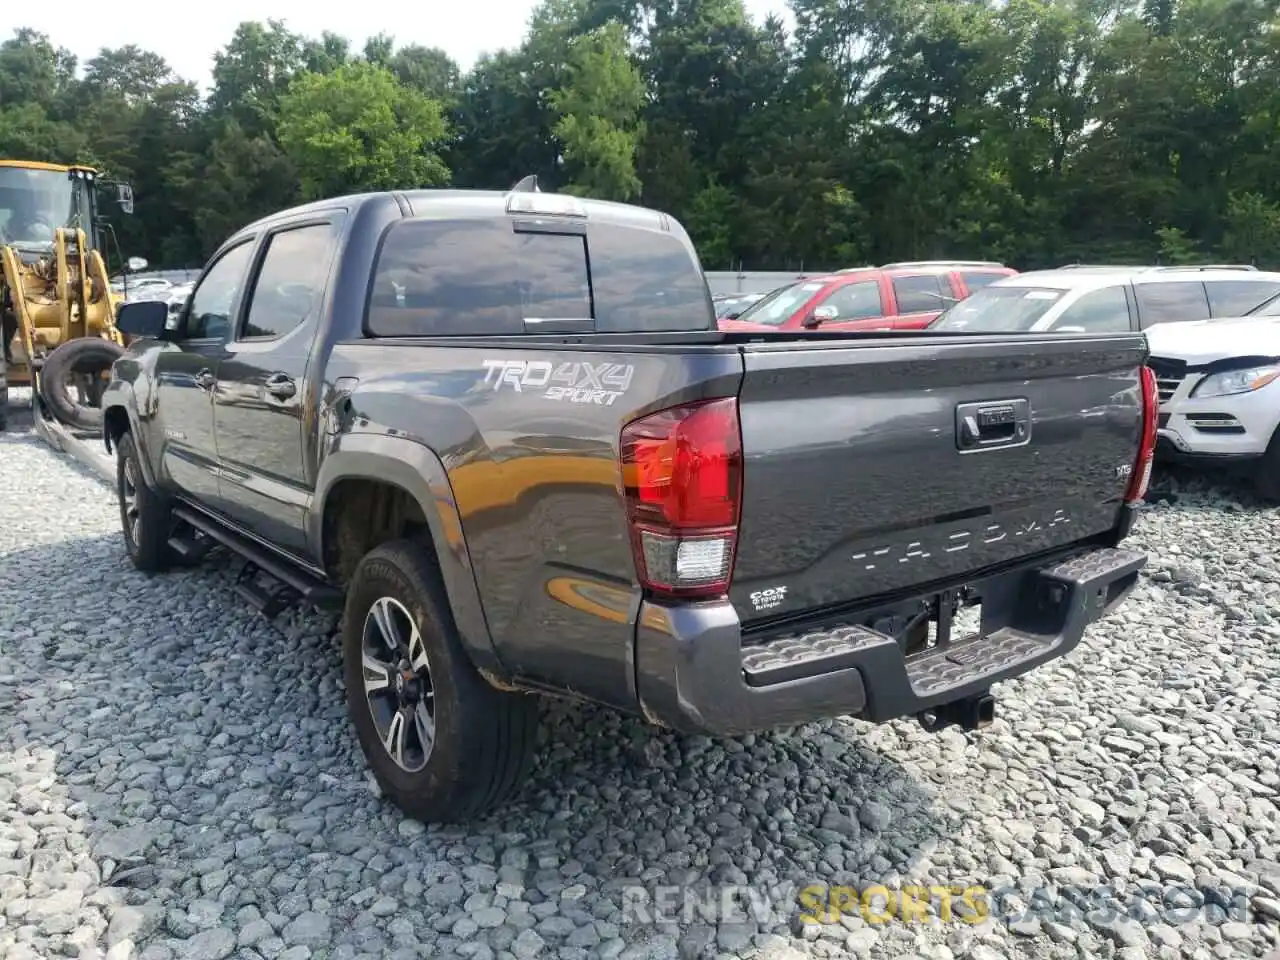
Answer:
(291, 281)
(1097, 312)
(976, 280)
(555, 291)
(919, 294)
(1171, 302)
(440, 278)
(856, 301)
(215, 298)
(1235, 298)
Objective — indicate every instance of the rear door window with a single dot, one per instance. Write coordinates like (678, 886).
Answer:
(1172, 302)
(291, 280)
(1236, 298)
(920, 294)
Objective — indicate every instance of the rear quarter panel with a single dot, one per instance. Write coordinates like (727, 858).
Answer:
(529, 438)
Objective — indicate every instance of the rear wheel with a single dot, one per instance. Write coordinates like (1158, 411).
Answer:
(443, 743)
(146, 516)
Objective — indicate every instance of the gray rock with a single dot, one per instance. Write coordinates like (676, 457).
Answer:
(307, 929)
(135, 924)
(1174, 868)
(207, 945)
(527, 945)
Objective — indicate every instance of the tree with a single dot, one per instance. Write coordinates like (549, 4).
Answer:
(599, 108)
(253, 71)
(358, 129)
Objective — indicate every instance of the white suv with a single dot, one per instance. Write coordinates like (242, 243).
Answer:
(1219, 401)
(1097, 299)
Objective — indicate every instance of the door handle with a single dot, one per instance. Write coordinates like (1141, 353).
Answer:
(205, 379)
(281, 386)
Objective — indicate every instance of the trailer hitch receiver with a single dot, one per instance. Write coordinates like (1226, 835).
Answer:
(969, 713)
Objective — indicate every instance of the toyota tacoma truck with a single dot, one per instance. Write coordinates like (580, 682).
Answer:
(500, 431)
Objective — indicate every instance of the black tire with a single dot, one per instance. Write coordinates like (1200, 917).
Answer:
(146, 534)
(4, 396)
(1266, 477)
(484, 739)
(83, 354)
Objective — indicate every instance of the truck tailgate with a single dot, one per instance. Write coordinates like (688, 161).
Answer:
(876, 466)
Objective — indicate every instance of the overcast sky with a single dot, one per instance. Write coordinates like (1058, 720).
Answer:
(188, 34)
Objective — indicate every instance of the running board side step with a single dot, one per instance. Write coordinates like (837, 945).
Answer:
(306, 586)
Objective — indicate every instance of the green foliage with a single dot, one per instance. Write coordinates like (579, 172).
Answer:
(1036, 132)
(599, 110)
(357, 129)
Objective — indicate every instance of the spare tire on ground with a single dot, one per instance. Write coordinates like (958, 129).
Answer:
(72, 379)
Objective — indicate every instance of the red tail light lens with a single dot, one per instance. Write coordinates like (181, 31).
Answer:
(1147, 442)
(682, 479)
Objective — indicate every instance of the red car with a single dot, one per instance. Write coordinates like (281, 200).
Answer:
(896, 296)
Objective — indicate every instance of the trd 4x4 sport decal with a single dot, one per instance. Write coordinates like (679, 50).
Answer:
(569, 382)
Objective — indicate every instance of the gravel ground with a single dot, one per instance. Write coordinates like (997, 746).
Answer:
(178, 780)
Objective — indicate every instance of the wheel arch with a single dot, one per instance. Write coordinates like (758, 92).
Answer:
(118, 418)
(399, 487)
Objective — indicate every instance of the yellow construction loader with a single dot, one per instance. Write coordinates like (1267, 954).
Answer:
(57, 313)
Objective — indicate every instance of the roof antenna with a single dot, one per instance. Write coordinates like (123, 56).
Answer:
(528, 184)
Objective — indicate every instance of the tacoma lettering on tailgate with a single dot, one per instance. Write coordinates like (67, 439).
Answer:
(571, 381)
(987, 533)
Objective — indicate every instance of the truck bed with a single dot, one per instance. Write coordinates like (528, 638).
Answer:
(853, 490)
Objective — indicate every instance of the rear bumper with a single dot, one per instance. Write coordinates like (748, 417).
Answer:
(694, 673)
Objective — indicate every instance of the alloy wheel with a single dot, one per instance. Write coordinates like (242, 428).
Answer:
(129, 499)
(397, 684)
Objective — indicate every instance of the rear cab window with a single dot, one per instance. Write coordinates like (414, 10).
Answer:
(500, 276)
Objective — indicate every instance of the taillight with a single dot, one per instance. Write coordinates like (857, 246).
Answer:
(1147, 440)
(682, 479)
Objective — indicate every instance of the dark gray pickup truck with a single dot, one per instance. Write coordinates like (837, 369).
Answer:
(502, 431)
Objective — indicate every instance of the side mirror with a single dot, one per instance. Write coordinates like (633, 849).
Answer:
(821, 315)
(141, 319)
(124, 197)
(137, 263)
(732, 315)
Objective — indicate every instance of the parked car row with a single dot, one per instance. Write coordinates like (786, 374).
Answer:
(1213, 333)
(896, 296)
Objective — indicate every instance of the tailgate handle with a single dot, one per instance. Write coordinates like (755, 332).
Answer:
(992, 424)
